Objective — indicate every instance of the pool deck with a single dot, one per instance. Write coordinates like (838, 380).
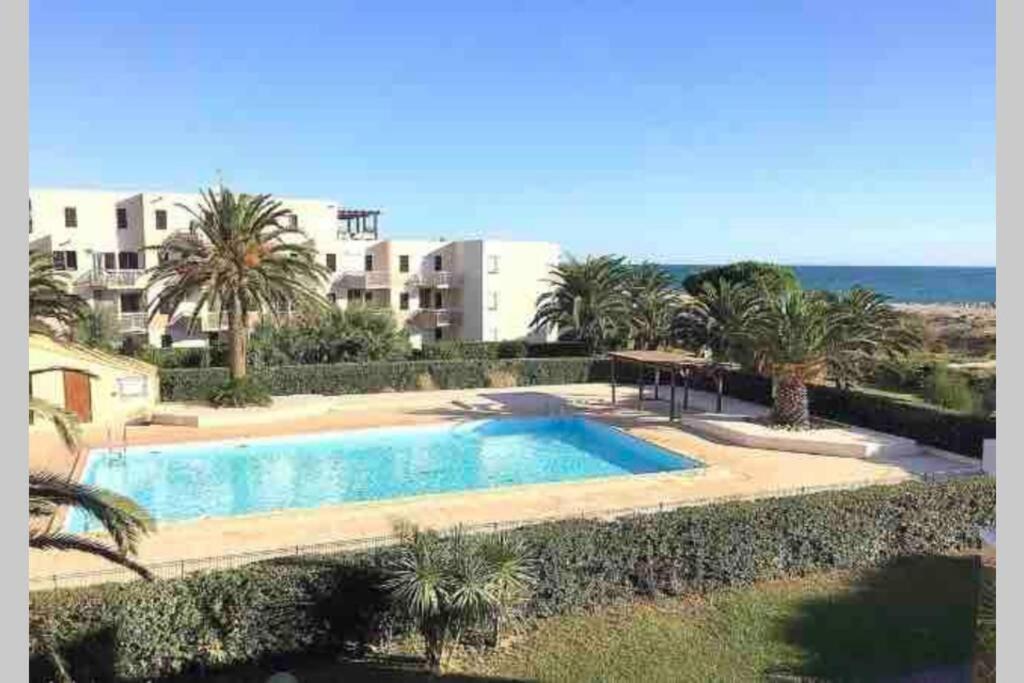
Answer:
(729, 472)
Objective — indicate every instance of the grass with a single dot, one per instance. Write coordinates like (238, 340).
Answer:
(916, 615)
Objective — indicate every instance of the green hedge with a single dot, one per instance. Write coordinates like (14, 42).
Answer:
(193, 384)
(297, 605)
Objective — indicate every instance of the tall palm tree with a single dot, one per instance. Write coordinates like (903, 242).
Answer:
(721, 319)
(239, 256)
(868, 328)
(792, 341)
(52, 308)
(586, 301)
(653, 303)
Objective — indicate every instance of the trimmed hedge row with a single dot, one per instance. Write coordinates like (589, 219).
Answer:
(192, 384)
(315, 604)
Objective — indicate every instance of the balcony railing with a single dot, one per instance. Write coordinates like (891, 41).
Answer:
(429, 318)
(436, 279)
(366, 279)
(132, 322)
(100, 277)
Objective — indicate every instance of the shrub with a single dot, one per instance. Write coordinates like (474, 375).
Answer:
(313, 604)
(950, 390)
(424, 382)
(501, 379)
(238, 393)
(356, 378)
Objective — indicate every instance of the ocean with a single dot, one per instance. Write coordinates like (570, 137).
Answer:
(904, 284)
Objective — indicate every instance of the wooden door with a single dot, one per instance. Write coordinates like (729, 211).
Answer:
(78, 395)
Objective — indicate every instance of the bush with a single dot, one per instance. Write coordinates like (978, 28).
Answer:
(950, 390)
(313, 604)
(360, 378)
(238, 393)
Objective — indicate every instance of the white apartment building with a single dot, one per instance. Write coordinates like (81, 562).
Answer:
(474, 290)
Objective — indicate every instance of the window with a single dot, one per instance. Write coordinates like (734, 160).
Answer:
(368, 296)
(492, 301)
(122, 218)
(65, 260)
(128, 260)
(161, 219)
(403, 301)
(332, 297)
(70, 217)
(424, 298)
(131, 302)
(438, 263)
(166, 340)
(438, 300)
(332, 262)
(109, 260)
(368, 262)
(354, 295)
(492, 264)
(438, 333)
(403, 263)
(293, 221)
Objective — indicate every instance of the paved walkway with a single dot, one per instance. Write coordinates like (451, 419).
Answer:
(730, 471)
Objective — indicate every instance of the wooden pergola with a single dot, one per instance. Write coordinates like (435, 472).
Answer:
(679, 365)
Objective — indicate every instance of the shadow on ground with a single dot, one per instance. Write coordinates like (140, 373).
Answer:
(391, 669)
(889, 624)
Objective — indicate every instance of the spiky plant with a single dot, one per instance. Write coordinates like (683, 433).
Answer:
(52, 308)
(586, 301)
(240, 256)
(451, 584)
(653, 305)
(721, 319)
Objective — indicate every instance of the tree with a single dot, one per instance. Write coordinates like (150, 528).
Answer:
(721, 319)
(238, 257)
(98, 328)
(653, 304)
(791, 342)
(52, 308)
(769, 276)
(586, 302)
(450, 584)
(869, 329)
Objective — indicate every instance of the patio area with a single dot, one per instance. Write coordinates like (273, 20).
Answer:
(730, 471)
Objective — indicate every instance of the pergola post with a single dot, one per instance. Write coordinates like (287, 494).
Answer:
(657, 381)
(719, 380)
(672, 398)
(613, 380)
(686, 389)
(640, 385)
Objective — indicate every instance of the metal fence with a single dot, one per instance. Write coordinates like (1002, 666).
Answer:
(180, 568)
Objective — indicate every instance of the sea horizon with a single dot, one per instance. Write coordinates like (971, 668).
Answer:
(902, 284)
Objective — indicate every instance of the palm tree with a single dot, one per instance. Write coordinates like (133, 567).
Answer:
(52, 308)
(868, 328)
(587, 301)
(721, 319)
(239, 257)
(448, 585)
(792, 340)
(653, 303)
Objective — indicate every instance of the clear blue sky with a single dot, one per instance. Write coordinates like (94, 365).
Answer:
(803, 132)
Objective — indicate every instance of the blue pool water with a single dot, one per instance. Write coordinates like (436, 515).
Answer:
(220, 479)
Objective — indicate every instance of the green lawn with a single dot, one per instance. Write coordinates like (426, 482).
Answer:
(916, 615)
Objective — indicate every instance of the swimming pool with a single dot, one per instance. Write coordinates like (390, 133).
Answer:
(226, 478)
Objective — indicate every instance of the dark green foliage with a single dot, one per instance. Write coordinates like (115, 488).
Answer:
(358, 334)
(365, 378)
(560, 349)
(464, 350)
(238, 393)
(950, 390)
(774, 278)
(144, 630)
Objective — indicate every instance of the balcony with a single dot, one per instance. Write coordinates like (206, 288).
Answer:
(132, 322)
(365, 279)
(435, 279)
(112, 279)
(214, 322)
(429, 318)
